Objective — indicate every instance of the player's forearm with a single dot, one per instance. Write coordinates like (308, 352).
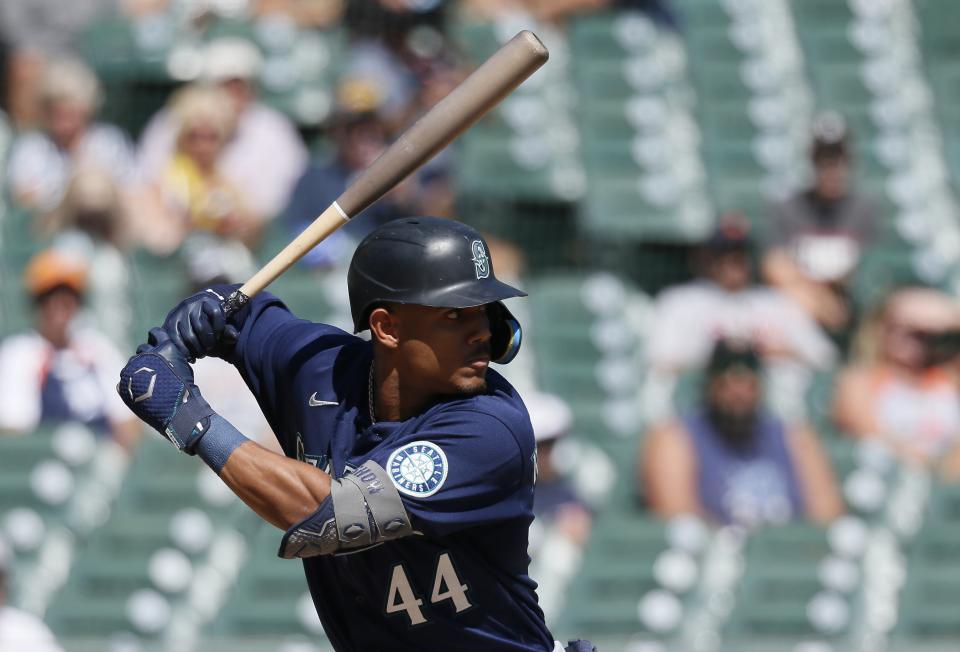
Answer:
(280, 490)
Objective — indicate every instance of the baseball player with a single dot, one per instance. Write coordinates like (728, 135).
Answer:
(408, 479)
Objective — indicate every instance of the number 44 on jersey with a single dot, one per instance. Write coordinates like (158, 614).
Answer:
(446, 586)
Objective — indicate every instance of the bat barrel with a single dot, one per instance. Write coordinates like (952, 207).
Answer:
(506, 69)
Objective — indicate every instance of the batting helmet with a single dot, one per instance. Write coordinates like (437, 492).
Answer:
(432, 261)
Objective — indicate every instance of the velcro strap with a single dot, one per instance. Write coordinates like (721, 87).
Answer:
(383, 501)
(187, 424)
(353, 522)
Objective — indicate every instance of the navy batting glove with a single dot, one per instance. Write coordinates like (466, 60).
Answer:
(198, 326)
(157, 386)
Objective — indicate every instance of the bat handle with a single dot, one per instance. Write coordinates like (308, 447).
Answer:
(235, 303)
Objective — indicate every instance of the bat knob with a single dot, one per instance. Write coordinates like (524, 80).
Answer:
(235, 303)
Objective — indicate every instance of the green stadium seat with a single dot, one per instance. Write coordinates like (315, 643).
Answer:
(613, 79)
(731, 157)
(264, 600)
(821, 12)
(712, 44)
(728, 121)
(829, 46)
(840, 84)
(614, 209)
(929, 599)
(77, 615)
(719, 81)
(606, 120)
(773, 596)
(702, 13)
(596, 35)
(615, 575)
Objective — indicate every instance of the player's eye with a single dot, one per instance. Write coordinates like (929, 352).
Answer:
(453, 314)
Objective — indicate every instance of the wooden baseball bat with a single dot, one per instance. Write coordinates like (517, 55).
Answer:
(506, 69)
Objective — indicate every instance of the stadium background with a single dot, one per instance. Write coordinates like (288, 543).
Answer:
(605, 170)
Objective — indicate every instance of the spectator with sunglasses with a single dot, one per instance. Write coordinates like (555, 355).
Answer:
(902, 391)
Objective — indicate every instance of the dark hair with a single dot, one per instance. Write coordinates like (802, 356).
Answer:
(728, 354)
(830, 137)
(56, 289)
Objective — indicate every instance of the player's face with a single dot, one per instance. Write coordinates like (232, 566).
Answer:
(447, 350)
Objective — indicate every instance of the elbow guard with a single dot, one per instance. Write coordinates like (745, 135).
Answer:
(364, 509)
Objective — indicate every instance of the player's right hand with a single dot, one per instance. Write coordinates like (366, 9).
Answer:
(198, 326)
(157, 385)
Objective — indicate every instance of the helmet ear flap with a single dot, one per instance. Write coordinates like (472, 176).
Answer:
(505, 333)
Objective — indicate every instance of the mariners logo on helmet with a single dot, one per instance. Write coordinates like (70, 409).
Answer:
(480, 260)
(418, 469)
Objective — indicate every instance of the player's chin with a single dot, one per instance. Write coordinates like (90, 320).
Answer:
(470, 382)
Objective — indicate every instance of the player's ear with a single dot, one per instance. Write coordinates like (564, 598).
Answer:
(384, 326)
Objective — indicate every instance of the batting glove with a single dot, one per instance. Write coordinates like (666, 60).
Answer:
(157, 385)
(198, 326)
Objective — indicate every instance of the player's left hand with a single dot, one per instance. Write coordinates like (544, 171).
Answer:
(198, 326)
(157, 385)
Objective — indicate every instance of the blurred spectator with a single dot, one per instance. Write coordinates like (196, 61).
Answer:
(42, 162)
(306, 13)
(725, 302)
(35, 31)
(91, 224)
(818, 235)
(731, 460)
(901, 390)
(20, 631)
(263, 153)
(563, 520)
(6, 139)
(391, 22)
(359, 136)
(555, 501)
(199, 207)
(58, 372)
(558, 10)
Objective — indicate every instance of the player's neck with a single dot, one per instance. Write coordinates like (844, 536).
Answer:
(395, 399)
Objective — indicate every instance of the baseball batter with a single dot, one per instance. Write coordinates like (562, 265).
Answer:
(408, 480)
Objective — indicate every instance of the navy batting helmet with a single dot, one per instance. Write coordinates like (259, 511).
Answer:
(432, 261)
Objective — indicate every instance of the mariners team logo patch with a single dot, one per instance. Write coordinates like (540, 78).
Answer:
(481, 261)
(418, 469)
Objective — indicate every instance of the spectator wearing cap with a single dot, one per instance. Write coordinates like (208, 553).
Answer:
(901, 389)
(42, 162)
(726, 302)
(58, 372)
(562, 520)
(818, 235)
(732, 461)
(36, 31)
(91, 224)
(554, 498)
(264, 154)
(359, 134)
(20, 631)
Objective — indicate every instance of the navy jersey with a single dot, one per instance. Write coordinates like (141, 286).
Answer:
(464, 469)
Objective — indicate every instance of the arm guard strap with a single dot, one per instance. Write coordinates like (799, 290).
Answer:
(364, 509)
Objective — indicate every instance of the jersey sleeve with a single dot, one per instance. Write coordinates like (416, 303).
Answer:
(271, 340)
(461, 470)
